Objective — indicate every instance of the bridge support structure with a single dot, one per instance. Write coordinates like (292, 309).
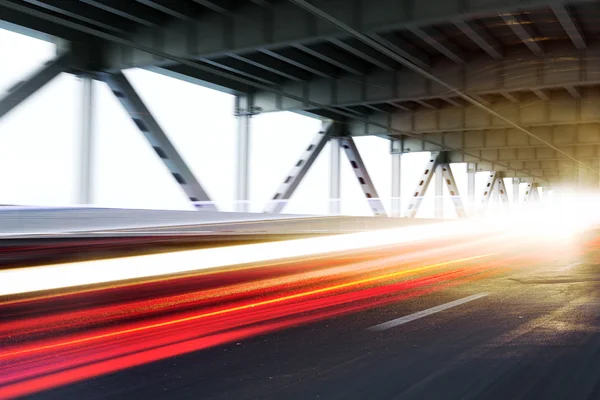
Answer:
(437, 164)
(330, 132)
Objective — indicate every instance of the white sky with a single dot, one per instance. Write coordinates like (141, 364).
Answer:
(39, 147)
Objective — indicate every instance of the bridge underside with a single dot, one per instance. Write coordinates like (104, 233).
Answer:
(509, 85)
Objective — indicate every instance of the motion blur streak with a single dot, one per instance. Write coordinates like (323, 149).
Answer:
(56, 341)
(24, 280)
(31, 374)
(48, 340)
(247, 306)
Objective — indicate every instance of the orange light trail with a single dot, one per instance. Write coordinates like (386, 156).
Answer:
(249, 306)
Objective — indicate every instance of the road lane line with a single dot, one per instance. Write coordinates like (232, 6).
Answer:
(411, 317)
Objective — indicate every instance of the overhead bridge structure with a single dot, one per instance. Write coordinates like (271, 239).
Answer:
(508, 86)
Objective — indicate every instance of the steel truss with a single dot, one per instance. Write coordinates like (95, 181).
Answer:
(495, 187)
(437, 163)
(364, 179)
(487, 193)
(531, 193)
(25, 88)
(329, 132)
(159, 141)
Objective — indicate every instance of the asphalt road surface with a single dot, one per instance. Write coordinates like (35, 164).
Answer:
(516, 322)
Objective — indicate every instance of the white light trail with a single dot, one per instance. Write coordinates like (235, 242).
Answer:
(25, 280)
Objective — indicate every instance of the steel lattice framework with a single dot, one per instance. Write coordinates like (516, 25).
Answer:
(511, 86)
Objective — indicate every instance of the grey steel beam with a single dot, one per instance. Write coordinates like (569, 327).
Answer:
(257, 27)
(519, 72)
(426, 104)
(542, 94)
(481, 38)
(175, 9)
(295, 176)
(20, 91)
(87, 142)
(335, 177)
(206, 79)
(161, 54)
(530, 193)
(501, 188)
(299, 59)
(83, 13)
(323, 15)
(488, 191)
(510, 97)
(243, 111)
(448, 177)
(159, 141)
(431, 38)
(363, 51)
(452, 102)
(496, 193)
(569, 25)
(396, 152)
(245, 69)
(439, 192)
(219, 6)
(131, 11)
(523, 31)
(422, 185)
(333, 56)
(398, 45)
(398, 106)
(573, 91)
(364, 179)
(273, 65)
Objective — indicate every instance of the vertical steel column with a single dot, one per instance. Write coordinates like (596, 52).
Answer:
(87, 141)
(335, 177)
(471, 170)
(422, 185)
(243, 112)
(396, 177)
(439, 192)
(516, 182)
(360, 170)
(295, 176)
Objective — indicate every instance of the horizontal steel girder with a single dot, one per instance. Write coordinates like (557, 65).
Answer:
(283, 23)
(561, 66)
